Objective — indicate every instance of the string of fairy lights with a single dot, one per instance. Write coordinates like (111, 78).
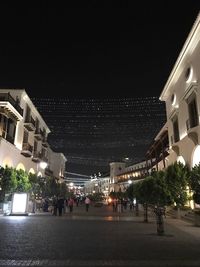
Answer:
(99, 131)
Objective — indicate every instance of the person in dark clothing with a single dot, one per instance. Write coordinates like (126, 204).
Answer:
(70, 204)
(55, 206)
(87, 203)
(45, 205)
(60, 205)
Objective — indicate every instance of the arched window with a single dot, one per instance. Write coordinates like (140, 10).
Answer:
(196, 156)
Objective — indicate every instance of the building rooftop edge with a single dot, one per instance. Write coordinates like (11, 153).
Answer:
(181, 56)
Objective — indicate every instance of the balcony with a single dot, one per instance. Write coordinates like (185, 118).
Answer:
(39, 156)
(48, 172)
(36, 156)
(44, 142)
(191, 123)
(7, 137)
(38, 135)
(27, 150)
(42, 156)
(10, 139)
(193, 129)
(29, 124)
(10, 107)
(174, 138)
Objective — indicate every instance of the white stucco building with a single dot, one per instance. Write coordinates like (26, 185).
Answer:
(182, 97)
(23, 136)
(56, 165)
(98, 185)
(115, 169)
(179, 138)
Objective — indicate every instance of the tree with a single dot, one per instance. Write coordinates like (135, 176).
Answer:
(62, 189)
(35, 187)
(8, 181)
(143, 192)
(160, 194)
(130, 191)
(195, 183)
(98, 196)
(23, 183)
(177, 179)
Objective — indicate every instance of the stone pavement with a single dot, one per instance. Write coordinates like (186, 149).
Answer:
(95, 213)
(106, 213)
(97, 238)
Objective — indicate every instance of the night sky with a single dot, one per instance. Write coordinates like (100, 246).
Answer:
(96, 48)
(92, 132)
(93, 50)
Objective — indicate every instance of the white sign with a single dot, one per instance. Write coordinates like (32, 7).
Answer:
(19, 203)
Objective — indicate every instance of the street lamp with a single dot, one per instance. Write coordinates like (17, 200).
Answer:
(71, 186)
(43, 165)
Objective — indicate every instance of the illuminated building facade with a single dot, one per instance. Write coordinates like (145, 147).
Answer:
(179, 138)
(182, 98)
(56, 162)
(23, 134)
(98, 185)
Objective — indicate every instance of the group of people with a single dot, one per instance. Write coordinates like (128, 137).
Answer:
(61, 205)
(121, 204)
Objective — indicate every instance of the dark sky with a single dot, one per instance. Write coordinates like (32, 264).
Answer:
(100, 50)
(94, 48)
(94, 132)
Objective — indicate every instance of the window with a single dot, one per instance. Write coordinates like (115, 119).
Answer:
(173, 99)
(193, 113)
(35, 145)
(11, 131)
(25, 139)
(175, 129)
(28, 114)
(188, 74)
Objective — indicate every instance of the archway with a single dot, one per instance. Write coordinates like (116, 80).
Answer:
(181, 160)
(20, 166)
(196, 156)
(7, 162)
(39, 174)
(31, 171)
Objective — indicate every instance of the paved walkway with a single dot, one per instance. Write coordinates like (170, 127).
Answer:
(106, 213)
(99, 237)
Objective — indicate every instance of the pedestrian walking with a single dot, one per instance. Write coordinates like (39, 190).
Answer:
(70, 204)
(114, 204)
(66, 206)
(54, 203)
(60, 204)
(87, 203)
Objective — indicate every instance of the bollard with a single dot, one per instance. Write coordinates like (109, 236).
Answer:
(159, 220)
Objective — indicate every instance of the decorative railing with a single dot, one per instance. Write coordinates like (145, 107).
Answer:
(27, 147)
(8, 98)
(30, 120)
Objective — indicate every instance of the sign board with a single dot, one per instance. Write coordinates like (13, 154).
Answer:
(19, 204)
